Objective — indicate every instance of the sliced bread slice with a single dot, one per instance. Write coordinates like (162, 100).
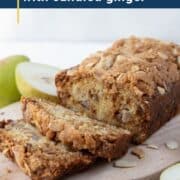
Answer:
(37, 156)
(76, 130)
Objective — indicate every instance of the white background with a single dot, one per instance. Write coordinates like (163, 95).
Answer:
(89, 25)
(64, 38)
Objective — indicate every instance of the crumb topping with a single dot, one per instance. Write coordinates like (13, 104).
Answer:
(146, 64)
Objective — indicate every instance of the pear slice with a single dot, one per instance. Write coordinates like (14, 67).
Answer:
(8, 89)
(36, 80)
(172, 172)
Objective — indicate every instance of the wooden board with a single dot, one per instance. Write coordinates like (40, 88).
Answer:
(148, 168)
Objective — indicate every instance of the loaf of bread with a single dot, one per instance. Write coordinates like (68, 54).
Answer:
(36, 155)
(75, 130)
(135, 84)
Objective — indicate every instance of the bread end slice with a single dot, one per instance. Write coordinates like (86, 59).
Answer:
(37, 156)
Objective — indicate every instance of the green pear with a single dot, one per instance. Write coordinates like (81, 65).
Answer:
(172, 172)
(8, 90)
(36, 80)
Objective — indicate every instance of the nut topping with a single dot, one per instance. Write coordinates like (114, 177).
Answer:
(161, 90)
(135, 68)
(178, 60)
(126, 116)
(172, 145)
(162, 55)
(138, 152)
(124, 164)
(152, 146)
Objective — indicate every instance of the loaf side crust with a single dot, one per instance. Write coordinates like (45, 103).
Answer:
(161, 109)
(75, 130)
(36, 156)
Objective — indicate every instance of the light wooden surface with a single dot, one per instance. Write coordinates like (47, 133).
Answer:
(148, 168)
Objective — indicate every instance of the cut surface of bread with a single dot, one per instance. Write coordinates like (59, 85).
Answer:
(74, 129)
(37, 156)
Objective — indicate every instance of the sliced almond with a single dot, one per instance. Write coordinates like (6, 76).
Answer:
(126, 116)
(120, 58)
(152, 146)
(162, 55)
(138, 152)
(90, 65)
(175, 52)
(135, 68)
(124, 164)
(161, 90)
(138, 91)
(121, 78)
(147, 102)
(71, 72)
(106, 62)
(172, 145)
(178, 60)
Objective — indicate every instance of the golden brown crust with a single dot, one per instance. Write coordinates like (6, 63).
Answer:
(151, 61)
(123, 84)
(73, 129)
(36, 155)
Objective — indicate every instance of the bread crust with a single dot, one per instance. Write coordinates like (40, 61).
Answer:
(134, 84)
(76, 130)
(36, 156)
